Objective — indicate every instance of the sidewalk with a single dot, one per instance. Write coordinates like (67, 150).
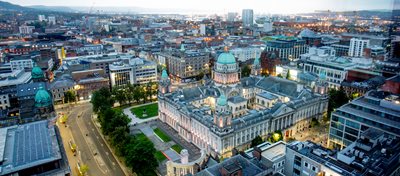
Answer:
(66, 136)
(125, 169)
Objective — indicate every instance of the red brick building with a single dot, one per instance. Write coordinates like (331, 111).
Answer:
(392, 84)
(269, 60)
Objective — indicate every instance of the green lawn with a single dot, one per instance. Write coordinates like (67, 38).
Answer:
(162, 135)
(151, 111)
(141, 136)
(177, 148)
(160, 156)
(121, 108)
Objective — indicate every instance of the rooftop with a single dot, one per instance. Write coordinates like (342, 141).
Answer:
(235, 163)
(14, 78)
(27, 146)
(274, 151)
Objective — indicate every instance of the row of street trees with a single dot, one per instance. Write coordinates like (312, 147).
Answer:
(138, 153)
(135, 93)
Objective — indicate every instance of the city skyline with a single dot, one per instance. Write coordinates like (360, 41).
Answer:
(221, 7)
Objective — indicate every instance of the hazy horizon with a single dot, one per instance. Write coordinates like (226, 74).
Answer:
(224, 6)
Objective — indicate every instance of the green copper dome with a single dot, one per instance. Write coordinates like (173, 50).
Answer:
(37, 73)
(42, 98)
(221, 101)
(164, 74)
(226, 58)
(256, 61)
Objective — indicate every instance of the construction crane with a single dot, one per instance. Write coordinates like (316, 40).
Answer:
(87, 16)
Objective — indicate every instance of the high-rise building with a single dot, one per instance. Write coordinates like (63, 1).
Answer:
(376, 109)
(52, 20)
(42, 18)
(231, 16)
(357, 47)
(202, 29)
(395, 49)
(247, 17)
(395, 28)
(268, 25)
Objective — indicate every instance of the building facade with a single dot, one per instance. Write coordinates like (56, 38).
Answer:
(244, 54)
(247, 17)
(221, 114)
(376, 109)
(185, 65)
(288, 48)
(357, 47)
(133, 71)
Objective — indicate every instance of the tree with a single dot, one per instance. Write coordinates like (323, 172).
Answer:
(256, 141)
(137, 93)
(276, 136)
(279, 75)
(102, 100)
(119, 138)
(69, 96)
(120, 95)
(314, 122)
(84, 168)
(337, 98)
(246, 71)
(141, 151)
(200, 76)
(288, 74)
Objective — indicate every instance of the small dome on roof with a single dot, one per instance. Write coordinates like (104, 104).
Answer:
(42, 98)
(37, 73)
(221, 101)
(256, 61)
(226, 58)
(164, 74)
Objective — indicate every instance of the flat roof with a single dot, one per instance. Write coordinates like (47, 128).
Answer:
(29, 145)
(274, 151)
(23, 78)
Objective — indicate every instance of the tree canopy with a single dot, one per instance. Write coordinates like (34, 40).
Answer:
(102, 100)
(256, 141)
(337, 98)
(138, 153)
(246, 71)
(69, 96)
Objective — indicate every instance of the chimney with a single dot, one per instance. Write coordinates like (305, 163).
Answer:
(257, 153)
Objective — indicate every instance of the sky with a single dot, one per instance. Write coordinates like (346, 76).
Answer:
(224, 6)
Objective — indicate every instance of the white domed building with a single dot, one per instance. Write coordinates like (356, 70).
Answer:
(228, 111)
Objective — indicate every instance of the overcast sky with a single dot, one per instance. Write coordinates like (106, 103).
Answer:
(224, 6)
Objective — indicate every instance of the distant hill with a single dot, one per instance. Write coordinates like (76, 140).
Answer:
(53, 8)
(6, 6)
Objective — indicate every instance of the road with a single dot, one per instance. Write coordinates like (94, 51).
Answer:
(91, 148)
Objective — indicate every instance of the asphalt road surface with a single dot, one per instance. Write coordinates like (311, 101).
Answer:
(91, 147)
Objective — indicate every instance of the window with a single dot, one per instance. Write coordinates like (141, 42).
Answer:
(305, 164)
(314, 169)
(297, 172)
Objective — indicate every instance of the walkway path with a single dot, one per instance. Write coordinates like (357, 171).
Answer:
(194, 152)
(134, 119)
